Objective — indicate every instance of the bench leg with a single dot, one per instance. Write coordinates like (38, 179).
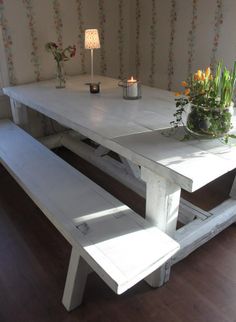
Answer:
(162, 205)
(75, 281)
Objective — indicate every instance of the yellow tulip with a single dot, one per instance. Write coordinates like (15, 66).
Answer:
(184, 84)
(208, 72)
(203, 76)
(196, 77)
(199, 74)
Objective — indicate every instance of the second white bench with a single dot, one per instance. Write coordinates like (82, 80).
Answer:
(106, 236)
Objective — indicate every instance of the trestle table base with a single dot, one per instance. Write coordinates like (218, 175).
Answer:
(162, 197)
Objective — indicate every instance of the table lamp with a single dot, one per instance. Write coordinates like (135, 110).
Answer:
(92, 42)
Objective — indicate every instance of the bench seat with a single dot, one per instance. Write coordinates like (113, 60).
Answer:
(106, 236)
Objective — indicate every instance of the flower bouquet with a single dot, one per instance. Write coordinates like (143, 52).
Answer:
(60, 55)
(209, 98)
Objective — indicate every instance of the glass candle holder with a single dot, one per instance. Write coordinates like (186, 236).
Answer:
(94, 88)
(131, 89)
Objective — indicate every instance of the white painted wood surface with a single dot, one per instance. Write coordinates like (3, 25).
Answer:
(187, 207)
(180, 162)
(130, 128)
(195, 233)
(75, 281)
(130, 178)
(134, 129)
(198, 232)
(105, 163)
(162, 205)
(114, 241)
(19, 113)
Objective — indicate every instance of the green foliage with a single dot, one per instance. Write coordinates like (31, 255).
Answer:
(207, 90)
(210, 97)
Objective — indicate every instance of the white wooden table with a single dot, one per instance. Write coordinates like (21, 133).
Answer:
(133, 129)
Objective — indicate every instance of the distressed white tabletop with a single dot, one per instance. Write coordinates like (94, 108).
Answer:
(131, 128)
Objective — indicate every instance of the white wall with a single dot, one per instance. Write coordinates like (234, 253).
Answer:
(188, 34)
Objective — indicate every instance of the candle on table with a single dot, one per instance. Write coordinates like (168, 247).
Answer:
(132, 87)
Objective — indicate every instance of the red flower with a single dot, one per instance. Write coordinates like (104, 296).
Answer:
(60, 54)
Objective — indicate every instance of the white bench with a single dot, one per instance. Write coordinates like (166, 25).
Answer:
(106, 236)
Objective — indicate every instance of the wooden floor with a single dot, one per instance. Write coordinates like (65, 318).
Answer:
(34, 259)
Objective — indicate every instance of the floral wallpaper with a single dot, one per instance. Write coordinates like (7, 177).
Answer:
(102, 25)
(81, 29)
(184, 35)
(37, 22)
(173, 18)
(7, 39)
(58, 22)
(158, 41)
(192, 36)
(121, 38)
(153, 34)
(33, 35)
(137, 38)
(217, 29)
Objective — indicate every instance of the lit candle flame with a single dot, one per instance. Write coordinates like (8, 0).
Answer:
(132, 80)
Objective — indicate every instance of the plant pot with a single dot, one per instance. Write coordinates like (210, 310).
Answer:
(209, 121)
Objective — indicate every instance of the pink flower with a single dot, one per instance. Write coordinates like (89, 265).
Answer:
(60, 54)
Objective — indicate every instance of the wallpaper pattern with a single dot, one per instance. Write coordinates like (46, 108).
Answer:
(192, 35)
(137, 32)
(7, 39)
(32, 24)
(58, 22)
(121, 38)
(102, 24)
(173, 18)
(153, 41)
(33, 36)
(169, 39)
(217, 29)
(81, 28)
(184, 36)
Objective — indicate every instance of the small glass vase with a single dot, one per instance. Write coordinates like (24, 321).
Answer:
(61, 78)
(209, 122)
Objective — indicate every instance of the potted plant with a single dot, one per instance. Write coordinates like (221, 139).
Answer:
(209, 101)
(60, 55)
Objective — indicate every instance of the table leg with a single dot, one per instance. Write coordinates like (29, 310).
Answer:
(19, 114)
(162, 204)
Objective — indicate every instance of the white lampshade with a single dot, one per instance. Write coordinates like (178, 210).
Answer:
(91, 39)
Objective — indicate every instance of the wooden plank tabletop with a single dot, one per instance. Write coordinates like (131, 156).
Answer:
(189, 163)
(131, 128)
